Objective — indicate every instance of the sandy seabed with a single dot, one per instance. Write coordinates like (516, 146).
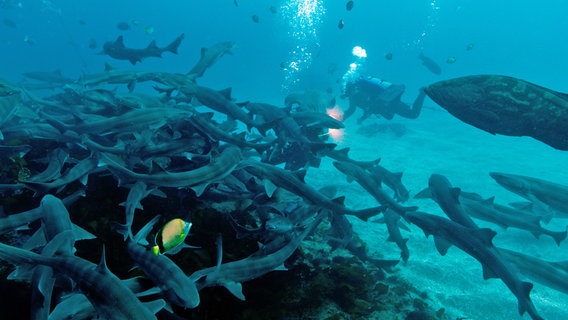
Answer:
(440, 143)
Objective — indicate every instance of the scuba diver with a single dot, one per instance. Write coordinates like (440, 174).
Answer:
(376, 96)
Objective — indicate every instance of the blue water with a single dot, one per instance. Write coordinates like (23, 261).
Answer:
(288, 51)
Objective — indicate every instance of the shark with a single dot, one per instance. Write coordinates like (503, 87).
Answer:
(392, 220)
(485, 210)
(21, 220)
(343, 156)
(221, 101)
(476, 242)
(391, 179)
(203, 122)
(441, 190)
(117, 50)
(80, 172)
(542, 192)
(197, 179)
(230, 275)
(175, 286)
(553, 274)
(54, 220)
(111, 298)
(274, 177)
(505, 105)
(209, 56)
(366, 180)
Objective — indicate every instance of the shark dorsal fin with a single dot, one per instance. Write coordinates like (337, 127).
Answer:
(455, 192)
(102, 267)
(344, 151)
(339, 200)
(152, 45)
(119, 41)
(485, 235)
(489, 201)
(398, 175)
(207, 115)
(300, 174)
(226, 93)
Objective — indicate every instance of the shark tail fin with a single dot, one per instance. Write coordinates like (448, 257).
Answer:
(123, 229)
(560, 236)
(173, 47)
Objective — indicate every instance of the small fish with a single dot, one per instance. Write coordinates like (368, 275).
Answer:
(349, 5)
(255, 18)
(341, 24)
(236, 3)
(171, 235)
(149, 30)
(388, 56)
(82, 22)
(29, 40)
(10, 24)
(273, 9)
(469, 47)
(92, 43)
(430, 64)
(123, 26)
(451, 59)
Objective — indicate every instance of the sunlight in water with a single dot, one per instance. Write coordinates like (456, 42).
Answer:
(337, 135)
(304, 18)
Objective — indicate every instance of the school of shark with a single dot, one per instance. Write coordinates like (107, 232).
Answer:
(198, 190)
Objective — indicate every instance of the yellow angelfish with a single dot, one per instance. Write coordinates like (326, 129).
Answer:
(171, 236)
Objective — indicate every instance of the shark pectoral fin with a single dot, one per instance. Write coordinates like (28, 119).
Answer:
(133, 283)
(281, 268)
(155, 306)
(36, 240)
(442, 245)
(236, 289)
(269, 187)
(149, 292)
(199, 189)
(402, 225)
(426, 193)
(82, 234)
(488, 273)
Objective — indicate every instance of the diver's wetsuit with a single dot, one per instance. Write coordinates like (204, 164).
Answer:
(376, 96)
